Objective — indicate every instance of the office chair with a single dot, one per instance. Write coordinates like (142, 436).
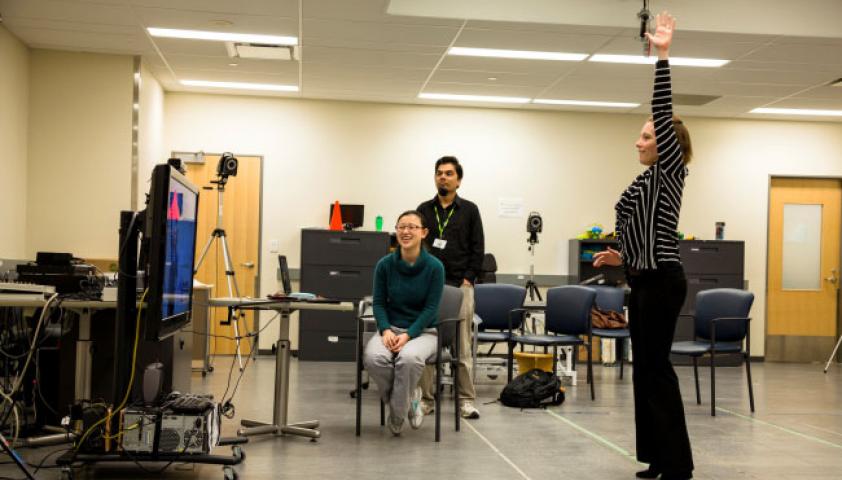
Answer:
(612, 298)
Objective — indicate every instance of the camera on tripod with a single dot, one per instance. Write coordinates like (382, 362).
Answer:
(534, 225)
(227, 166)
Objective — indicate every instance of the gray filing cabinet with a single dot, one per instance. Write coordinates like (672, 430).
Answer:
(336, 265)
(708, 264)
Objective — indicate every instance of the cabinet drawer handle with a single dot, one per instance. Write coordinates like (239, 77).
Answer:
(351, 240)
(333, 339)
(344, 273)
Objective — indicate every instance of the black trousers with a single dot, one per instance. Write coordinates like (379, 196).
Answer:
(661, 432)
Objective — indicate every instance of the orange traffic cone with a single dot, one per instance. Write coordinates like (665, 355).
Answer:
(336, 217)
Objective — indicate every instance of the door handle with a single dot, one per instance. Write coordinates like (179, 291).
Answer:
(832, 278)
(248, 264)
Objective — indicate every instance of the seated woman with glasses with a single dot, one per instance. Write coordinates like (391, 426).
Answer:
(408, 285)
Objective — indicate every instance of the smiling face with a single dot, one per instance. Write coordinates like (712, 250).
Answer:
(410, 232)
(647, 146)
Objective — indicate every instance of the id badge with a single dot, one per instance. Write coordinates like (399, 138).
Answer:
(439, 243)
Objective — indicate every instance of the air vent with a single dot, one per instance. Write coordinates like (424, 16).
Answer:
(693, 100)
(259, 51)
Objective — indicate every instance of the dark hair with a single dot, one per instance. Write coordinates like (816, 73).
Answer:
(683, 136)
(451, 160)
(412, 212)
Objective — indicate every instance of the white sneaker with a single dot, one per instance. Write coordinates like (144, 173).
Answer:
(395, 424)
(427, 406)
(416, 414)
(468, 410)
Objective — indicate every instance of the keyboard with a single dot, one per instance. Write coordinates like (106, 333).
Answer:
(13, 291)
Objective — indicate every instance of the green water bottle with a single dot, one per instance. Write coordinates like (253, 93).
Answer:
(378, 223)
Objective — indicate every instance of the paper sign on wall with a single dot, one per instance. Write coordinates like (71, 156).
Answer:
(510, 207)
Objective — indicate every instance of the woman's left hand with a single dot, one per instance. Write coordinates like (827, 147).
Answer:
(400, 341)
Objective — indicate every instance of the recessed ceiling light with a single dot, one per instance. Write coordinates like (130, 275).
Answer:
(523, 54)
(493, 79)
(241, 85)
(472, 98)
(585, 103)
(233, 64)
(799, 111)
(222, 37)
(676, 61)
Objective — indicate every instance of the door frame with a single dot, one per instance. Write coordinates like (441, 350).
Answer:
(766, 280)
(261, 159)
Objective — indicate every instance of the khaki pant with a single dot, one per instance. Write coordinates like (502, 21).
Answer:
(464, 379)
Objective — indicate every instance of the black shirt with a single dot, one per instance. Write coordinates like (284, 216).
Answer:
(462, 257)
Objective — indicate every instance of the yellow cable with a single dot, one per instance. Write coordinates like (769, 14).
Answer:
(131, 377)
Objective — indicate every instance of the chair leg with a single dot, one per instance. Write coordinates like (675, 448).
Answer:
(438, 395)
(454, 367)
(619, 345)
(511, 360)
(713, 383)
(750, 389)
(590, 370)
(382, 413)
(696, 376)
(555, 360)
(359, 390)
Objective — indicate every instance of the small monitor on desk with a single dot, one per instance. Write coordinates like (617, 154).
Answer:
(352, 215)
(287, 284)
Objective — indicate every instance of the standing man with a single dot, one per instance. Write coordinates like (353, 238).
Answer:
(456, 238)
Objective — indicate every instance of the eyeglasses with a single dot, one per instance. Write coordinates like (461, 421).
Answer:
(409, 227)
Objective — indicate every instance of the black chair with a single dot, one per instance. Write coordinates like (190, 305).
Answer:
(488, 274)
(720, 325)
(612, 299)
(567, 318)
(447, 351)
(499, 307)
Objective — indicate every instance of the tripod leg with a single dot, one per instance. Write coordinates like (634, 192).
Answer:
(232, 282)
(832, 355)
(204, 253)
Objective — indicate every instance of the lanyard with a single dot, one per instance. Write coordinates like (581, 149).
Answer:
(446, 221)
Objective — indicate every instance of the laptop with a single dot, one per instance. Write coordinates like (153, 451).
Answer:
(287, 293)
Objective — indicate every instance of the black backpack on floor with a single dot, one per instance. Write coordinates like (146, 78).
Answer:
(533, 389)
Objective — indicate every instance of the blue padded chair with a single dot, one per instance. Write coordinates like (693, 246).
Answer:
(720, 325)
(567, 319)
(500, 308)
(612, 299)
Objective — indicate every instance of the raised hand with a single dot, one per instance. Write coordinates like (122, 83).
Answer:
(664, 28)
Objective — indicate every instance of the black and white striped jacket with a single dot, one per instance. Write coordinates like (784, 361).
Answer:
(648, 210)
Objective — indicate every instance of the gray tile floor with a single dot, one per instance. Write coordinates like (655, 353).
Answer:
(796, 432)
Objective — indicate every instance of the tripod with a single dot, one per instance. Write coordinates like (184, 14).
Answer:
(219, 234)
(531, 287)
(835, 349)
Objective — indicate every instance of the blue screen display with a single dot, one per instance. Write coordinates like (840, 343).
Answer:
(179, 250)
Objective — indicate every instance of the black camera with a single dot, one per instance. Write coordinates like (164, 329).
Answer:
(227, 166)
(534, 224)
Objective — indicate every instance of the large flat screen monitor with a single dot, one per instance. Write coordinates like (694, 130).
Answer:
(171, 231)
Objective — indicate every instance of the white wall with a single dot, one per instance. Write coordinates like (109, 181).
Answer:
(14, 112)
(571, 167)
(79, 152)
(151, 149)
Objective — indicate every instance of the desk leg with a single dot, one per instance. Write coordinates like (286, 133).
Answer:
(83, 356)
(281, 401)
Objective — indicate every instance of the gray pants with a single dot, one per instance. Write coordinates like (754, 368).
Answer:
(464, 378)
(397, 375)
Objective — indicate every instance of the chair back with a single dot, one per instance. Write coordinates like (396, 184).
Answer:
(718, 303)
(494, 301)
(451, 303)
(609, 298)
(488, 270)
(569, 310)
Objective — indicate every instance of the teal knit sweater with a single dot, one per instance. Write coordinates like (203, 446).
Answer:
(407, 296)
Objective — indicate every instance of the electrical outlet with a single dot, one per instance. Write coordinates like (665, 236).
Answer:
(273, 246)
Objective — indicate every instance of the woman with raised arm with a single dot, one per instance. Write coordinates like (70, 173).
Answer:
(647, 225)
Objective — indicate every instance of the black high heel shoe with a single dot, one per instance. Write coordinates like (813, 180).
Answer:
(651, 472)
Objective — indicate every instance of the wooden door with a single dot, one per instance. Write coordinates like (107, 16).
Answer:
(241, 223)
(803, 269)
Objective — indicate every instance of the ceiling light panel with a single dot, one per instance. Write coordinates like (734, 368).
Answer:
(222, 36)
(798, 111)
(473, 98)
(584, 103)
(240, 86)
(674, 61)
(518, 54)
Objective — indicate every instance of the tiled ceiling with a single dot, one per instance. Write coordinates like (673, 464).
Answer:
(357, 50)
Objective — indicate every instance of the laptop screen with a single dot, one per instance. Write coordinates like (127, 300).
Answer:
(282, 260)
